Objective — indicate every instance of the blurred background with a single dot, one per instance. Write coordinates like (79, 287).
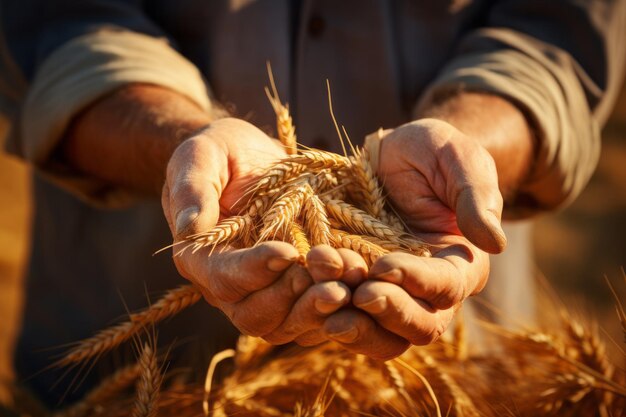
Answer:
(575, 248)
(578, 247)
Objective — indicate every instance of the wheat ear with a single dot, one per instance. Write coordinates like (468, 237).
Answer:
(284, 124)
(298, 238)
(359, 221)
(392, 220)
(316, 221)
(106, 391)
(148, 385)
(365, 184)
(284, 211)
(169, 305)
(394, 377)
(462, 404)
(316, 159)
(229, 229)
(368, 250)
(277, 174)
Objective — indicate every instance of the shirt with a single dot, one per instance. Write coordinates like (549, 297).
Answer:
(560, 62)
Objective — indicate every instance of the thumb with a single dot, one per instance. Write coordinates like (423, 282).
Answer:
(195, 176)
(477, 200)
(478, 218)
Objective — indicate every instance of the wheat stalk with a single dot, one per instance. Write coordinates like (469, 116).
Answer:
(105, 392)
(169, 305)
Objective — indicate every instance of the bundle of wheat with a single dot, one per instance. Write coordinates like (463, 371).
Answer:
(314, 197)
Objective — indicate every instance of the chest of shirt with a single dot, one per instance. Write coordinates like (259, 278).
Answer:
(378, 55)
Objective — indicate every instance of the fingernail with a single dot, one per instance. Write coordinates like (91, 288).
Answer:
(395, 276)
(353, 276)
(326, 307)
(185, 218)
(330, 269)
(375, 306)
(279, 263)
(496, 228)
(347, 336)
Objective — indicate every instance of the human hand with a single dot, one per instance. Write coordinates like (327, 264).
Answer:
(262, 290)
(443, 184)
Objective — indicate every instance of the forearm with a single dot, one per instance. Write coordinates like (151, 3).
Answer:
(127, 137)
(498, 125)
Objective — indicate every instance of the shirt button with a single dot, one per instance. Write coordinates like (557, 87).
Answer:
(317, 25)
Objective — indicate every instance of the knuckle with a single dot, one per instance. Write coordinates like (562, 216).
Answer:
(392, 351)
(274, 339)
(185, 185)
(224, 292)
(450, 297)
(309, 340)
(180, 156)
(429, 335)
(247, 324)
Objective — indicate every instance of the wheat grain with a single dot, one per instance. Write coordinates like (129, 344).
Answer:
(317, 159)
(368, 250)
(284, 211)
(226, 230)
(316, 221)
(299, 240)
(284, 124)
(365, 188)
(359, 221)
(392, 220)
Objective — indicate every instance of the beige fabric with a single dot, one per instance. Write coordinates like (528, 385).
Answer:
(544, 80)
(79, 73)
(568, 136)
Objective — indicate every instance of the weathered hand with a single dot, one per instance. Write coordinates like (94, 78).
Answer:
(444, 185)
(261, 289)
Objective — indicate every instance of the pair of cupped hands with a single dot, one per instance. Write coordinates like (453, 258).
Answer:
(443, 184)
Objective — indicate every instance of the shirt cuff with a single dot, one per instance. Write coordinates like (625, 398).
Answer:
(548, 92)
(79, 73)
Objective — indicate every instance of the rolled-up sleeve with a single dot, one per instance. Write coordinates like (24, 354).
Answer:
(90, 62)
(561, 63)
